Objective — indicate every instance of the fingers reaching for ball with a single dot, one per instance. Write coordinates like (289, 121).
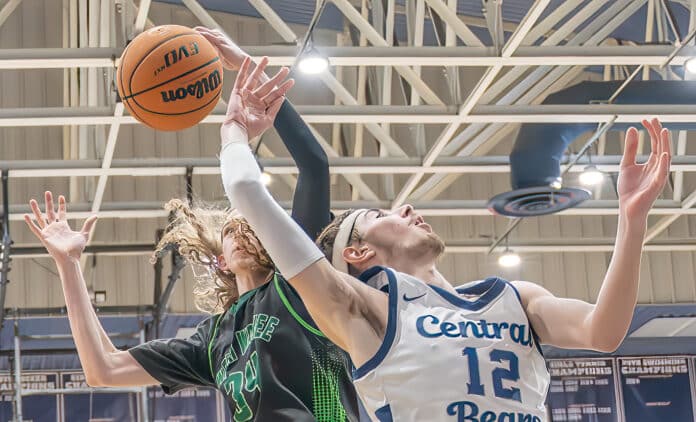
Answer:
(254, 104)
(268, 92)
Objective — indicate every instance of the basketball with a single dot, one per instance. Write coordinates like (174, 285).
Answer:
(169, 77)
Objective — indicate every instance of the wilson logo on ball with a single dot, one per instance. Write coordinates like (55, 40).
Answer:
(170, 77)
(197, 89)
(175, 55)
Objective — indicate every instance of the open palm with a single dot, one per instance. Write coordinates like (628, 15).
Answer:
(55, 233)
(252, 107)
(640, 184)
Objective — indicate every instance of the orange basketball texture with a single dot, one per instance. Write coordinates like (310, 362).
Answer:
(169, 77)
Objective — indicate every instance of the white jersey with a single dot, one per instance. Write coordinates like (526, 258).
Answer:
(471, 357)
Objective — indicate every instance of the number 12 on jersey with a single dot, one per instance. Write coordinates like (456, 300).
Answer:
(510, 371)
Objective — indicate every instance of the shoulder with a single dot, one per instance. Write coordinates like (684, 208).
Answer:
(279, 285)
(293, 305)
(205, 330)
(529, 291)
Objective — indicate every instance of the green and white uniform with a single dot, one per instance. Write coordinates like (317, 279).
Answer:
(266, 356)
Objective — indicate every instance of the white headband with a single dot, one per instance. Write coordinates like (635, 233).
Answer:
(343, 239)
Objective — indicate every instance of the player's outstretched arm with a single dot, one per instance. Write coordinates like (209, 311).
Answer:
(351, 314)
(603, 326)
(102, 363)
(311, 201)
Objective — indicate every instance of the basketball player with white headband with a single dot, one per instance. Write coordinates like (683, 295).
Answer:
(425, 351)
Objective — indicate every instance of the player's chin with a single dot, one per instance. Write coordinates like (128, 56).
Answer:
(436, 244)
(246, 266)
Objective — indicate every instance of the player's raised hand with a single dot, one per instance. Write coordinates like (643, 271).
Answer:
(54, 232)
(253, 105)
(640, 184)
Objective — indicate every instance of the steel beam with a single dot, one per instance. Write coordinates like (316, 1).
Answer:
(17, 360)
(540, 78)
(606, 246)
(108, 157)
(667, 220)
(141, 17)
(473, 98)
(455, 23)
(327, 78)
(648, 55)
(373, 36)
(449, 208)
(551, 245)
(63, 311)
(378, 114)
(7, 10)
(5, 245)
(139, 167)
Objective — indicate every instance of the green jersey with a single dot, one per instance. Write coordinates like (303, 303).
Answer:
(265, 355)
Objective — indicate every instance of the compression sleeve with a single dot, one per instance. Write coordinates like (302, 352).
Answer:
(312, 199)
(288, 245)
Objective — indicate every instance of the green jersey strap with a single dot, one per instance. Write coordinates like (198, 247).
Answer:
(293, 312)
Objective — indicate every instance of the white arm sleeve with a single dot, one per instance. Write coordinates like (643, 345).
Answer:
(288, 245)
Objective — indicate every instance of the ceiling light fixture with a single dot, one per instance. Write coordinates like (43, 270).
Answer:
(266, 178)
(591, 176)
(312, 62)
(509, 259)
(690, 66)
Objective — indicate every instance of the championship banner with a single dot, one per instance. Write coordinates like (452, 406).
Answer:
(582, 390)
(35, 407)
(656, 389)
(186, 405)
(102, 407)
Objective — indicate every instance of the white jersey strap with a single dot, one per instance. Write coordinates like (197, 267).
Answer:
(390, 332)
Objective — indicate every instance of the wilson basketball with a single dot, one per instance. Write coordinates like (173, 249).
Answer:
(169, 77)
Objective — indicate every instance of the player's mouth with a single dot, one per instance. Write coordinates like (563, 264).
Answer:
(420, 223)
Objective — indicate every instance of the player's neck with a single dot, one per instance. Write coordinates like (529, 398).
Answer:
(433, 277)
(249, 280)
(424, 271)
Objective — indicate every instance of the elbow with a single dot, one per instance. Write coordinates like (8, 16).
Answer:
(316, 165)
(95, 379)
(607, 342)
(607, 347)
(100, 373)
(322, 161)
(605, 334)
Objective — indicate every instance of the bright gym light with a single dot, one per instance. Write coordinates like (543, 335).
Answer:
(591, 176)
(313, 63)
(266, 178)
(690, 66)
(509, 259)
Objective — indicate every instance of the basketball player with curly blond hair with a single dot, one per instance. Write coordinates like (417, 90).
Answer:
(260, 347)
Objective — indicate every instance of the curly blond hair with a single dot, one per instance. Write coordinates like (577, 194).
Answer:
(197, 232)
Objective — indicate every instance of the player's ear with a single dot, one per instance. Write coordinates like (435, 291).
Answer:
(358, 256)
(221, 263)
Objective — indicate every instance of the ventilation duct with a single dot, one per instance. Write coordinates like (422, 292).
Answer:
(535, 160)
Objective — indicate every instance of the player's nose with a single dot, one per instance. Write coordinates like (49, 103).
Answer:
(405, 210)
